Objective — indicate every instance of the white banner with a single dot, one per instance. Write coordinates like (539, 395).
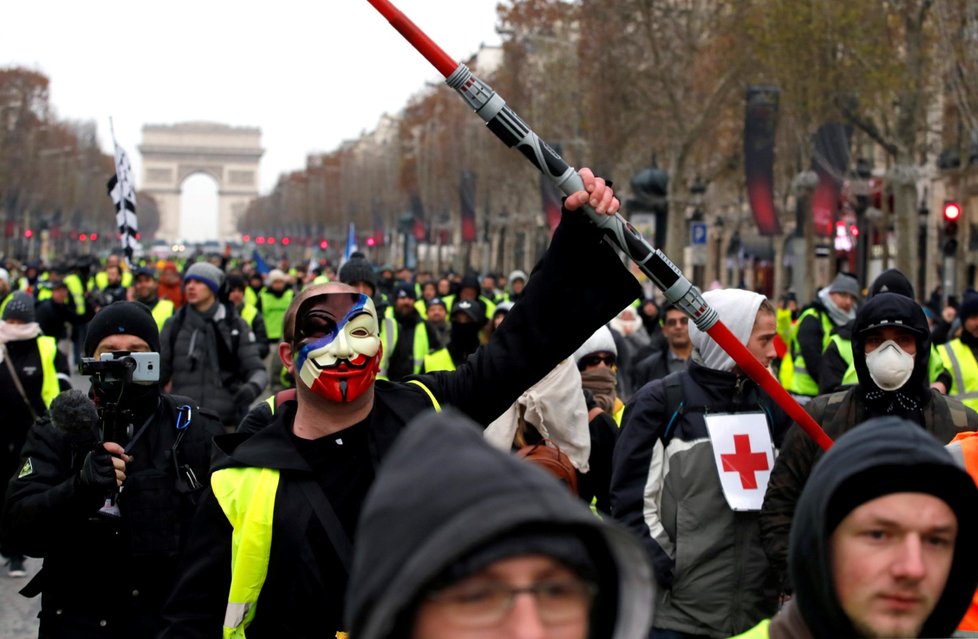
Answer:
(744, 456)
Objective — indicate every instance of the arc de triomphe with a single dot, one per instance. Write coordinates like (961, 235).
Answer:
(172, 153)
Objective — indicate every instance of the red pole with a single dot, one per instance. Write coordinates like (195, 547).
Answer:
(418, 39)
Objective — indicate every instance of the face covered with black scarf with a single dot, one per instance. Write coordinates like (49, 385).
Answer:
(891, 379)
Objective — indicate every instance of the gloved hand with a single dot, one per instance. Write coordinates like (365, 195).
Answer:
(246, 394)
(98, 470)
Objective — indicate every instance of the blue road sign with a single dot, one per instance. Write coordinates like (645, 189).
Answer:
(698, 233)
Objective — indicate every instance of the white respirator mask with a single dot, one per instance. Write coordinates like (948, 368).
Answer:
(890, 366)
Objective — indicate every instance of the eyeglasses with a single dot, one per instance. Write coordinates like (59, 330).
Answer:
(676, 321)
(486, 604)
(590, 361)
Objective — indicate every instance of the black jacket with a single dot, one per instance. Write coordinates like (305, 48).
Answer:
(302, 596)
(413, 529)
(106, 577)
(941, 416)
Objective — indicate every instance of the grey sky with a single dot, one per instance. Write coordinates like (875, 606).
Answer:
(310, 74)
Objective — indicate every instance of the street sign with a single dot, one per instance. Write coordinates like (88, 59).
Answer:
(698, 233)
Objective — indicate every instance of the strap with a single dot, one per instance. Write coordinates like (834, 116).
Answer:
(16, 378)
(327, 517)
(674, 401)
(431, 396)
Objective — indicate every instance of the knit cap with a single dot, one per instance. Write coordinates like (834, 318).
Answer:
(602, 341)
(206, 273)
(845, 284)
(20, 308)
(130, 318)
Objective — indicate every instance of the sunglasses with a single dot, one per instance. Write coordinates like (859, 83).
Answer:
(590, 361)
(677, 321)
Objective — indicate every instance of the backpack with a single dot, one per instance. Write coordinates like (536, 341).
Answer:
(545, 453)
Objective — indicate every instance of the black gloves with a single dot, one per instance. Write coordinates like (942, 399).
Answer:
(98, 471)
(246, 394)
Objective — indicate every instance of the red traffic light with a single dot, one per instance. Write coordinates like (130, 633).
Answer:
(323, 244)
(371, 241)
(260, 239)
(271, 239)
(245, 238)
(83, 237)
(854, 230)
(285, 241)
(952, 211)
(94, 236)
(28, 233)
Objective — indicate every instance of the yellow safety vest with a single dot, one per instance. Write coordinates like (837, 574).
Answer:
(162, 312)
(844, 346)
(959, 359)
(439, 360)
(247, 497)
(801, 382)
(760, 631)
(248, 313)
(250, 297)
(419, 348)
(47, 347)
(102, 279)
(77, 290)
(273, 310)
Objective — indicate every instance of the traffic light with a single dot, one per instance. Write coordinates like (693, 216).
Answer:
(245, 238)
(323, 244)
(371, 241)
(952, 215)
(285, 240)
(28, 233)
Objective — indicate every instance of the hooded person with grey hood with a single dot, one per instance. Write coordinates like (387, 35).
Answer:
(891, 354)
(894, 586)
(446, 507)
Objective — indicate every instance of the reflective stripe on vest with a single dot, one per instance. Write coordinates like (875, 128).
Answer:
(47, 347)
(77, 290)
(162, 312)
(273, 310)
(960, 360)
(419, 349)
(440, 360)
(247, 497)
(801, 382)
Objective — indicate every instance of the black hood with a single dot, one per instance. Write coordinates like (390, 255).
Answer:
(443, 493)
(894, 455)
(892, 281)
(893, 308)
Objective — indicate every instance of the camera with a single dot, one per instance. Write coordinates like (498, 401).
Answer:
(122, 366)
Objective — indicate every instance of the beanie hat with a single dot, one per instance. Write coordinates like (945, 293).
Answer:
(436, 301)
(276, 275)
(4, 275)
(130, 318)
(205, 273)
(405, 290)
(601, 342)
(517, 275)
(236, 282)
(892, 281)
(503, 308)
(145, 271)
(20, 308)
(356, 270)
(472, 309)
(845, 284)
(969, 304)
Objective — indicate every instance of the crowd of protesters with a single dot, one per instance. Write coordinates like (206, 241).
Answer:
(641, 484)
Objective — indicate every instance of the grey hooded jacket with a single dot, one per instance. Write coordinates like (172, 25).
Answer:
(442, 493)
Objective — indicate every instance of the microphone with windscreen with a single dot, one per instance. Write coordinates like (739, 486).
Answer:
(74, 414)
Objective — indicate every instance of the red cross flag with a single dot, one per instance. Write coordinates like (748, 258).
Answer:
(744, 456)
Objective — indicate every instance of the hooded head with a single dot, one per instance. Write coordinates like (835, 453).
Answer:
(410, 543)
(737, 309)
(892, 281)
(892, 310)
(881, 457)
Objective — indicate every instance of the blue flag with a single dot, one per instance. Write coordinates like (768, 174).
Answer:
(351, 243)
(260, 264)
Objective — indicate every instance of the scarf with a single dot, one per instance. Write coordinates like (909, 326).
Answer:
(17, 333)
(601, 382)
(837, 315)
(889, 401)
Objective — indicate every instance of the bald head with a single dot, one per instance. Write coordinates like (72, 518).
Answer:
(288, 329)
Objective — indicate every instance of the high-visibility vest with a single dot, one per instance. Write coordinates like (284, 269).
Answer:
(47, 347)
(248, 313)
(102, 279)
(439, 360)
(964, 450)
(77, 289)
(802, 383)
(250, 296)
(760, 631)
(419, 349)
(247, 497)
(960, 360)
(844, 346)
(162, 311)
(273, 310)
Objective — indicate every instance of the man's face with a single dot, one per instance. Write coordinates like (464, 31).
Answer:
(112, 260)
(468, 293)
(437, 313)
(517, 286)
(444, 287)
(276, 285)
(904, 339)
(236, 296)
(844, 301)
(121, 342)
(59, 295)
(675, 327)
(971, 325)
(404, 307)
(483, 606)
(488, 283)
(890, 560)
(761, 342)
(337, 346)
(113, 275)
(198, 294)
(145, 287)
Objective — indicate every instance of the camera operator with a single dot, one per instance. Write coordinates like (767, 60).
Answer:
(106, 570)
